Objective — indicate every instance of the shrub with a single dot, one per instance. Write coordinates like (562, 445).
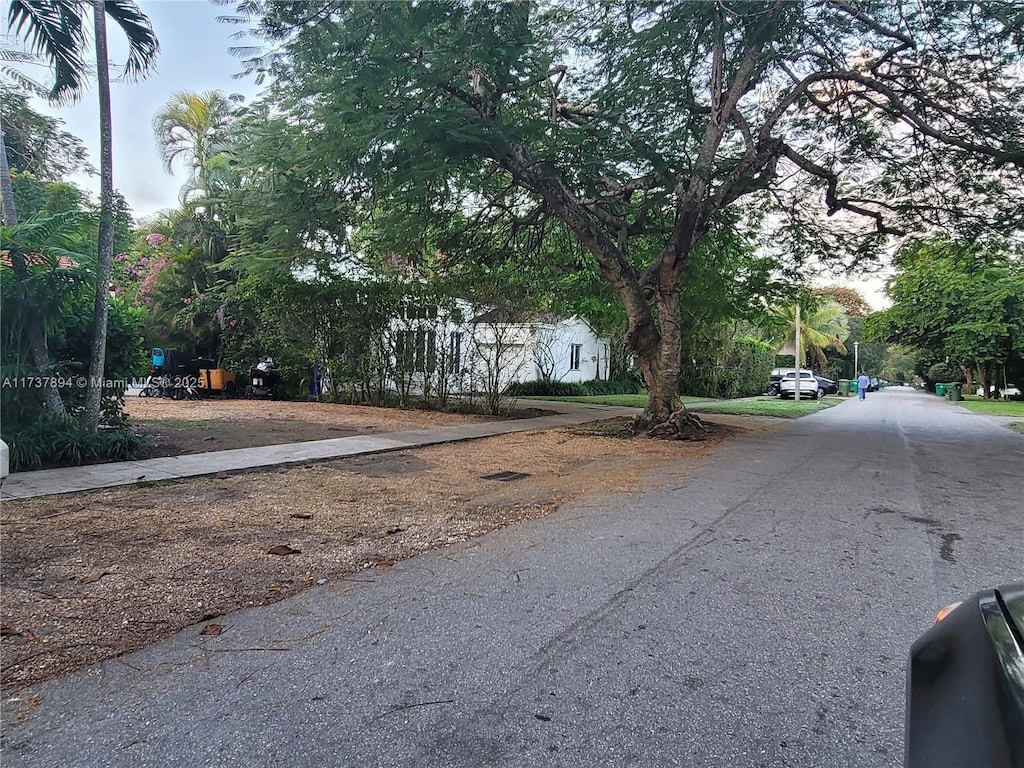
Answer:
(552, 388)
(544, 388)
(599, 387)
(59, 440)
(943, 372)
(740, 369)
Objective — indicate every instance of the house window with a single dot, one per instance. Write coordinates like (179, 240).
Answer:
(428, 312)
(456, 352)
(416, 351)
(574, 356)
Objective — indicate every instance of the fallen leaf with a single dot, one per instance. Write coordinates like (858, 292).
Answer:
(212, 629)
(282, 550)
(384, 564)
(301, 515)
(95, 576)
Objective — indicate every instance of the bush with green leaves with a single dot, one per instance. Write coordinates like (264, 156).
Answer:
(941, 373)
(52, 440)
(741, 368)
(551, 388)
(59, 280)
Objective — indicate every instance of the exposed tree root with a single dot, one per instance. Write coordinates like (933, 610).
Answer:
(681, 425)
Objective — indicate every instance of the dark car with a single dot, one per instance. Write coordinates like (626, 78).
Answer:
(965, 685)
(827, 386)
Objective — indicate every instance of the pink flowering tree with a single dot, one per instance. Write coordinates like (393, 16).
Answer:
(137, 271)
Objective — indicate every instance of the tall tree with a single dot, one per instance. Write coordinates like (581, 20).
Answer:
(958, 303)
(37, 143)
(637, 124)
(822, 326)
(850, 299)
(193, 128)
(54, 30)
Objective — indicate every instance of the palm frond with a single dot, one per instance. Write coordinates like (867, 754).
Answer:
(142, 43)
(25, 83)
(53, 29)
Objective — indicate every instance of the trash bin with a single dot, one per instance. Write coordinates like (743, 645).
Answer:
(940, 390)
(844, 387)
(956, 392)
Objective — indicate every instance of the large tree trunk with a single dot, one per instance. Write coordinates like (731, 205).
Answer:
(651, 301)
(658, 354)
(657, 344)
(105, 251)
(38, 351)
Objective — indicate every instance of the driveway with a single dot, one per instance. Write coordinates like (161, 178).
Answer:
(753, 609)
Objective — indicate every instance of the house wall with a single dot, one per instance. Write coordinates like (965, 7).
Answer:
(564, 350)
(555, 356)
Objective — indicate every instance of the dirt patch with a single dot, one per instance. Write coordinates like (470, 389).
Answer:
(90, 576)
(179, 427)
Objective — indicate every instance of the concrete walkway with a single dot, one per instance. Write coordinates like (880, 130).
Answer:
(48, 482)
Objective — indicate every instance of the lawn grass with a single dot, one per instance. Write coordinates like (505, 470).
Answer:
(625, 401)
(1017, 426)
(994, 407)
(771, 406)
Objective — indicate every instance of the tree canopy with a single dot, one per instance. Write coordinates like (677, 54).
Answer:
(828, 125)
(37, 143)
(958, 303)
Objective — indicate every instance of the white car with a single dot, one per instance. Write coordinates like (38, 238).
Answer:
(1010, 391)
(810, 388)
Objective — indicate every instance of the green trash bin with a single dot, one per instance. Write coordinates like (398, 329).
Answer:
(844, 387)
(956, 392)
(940, 390)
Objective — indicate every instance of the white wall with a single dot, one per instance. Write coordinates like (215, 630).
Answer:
(553, 352)
(513, 352)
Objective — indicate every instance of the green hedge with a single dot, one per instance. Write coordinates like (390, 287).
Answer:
(742, 369)
(552, 388)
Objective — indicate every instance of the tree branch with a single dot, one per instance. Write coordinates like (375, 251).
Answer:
(832, 200)
(870, 23)
(899, 109)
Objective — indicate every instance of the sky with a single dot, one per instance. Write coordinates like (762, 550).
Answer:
(193, 57)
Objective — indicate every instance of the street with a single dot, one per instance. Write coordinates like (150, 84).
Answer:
(754, 609)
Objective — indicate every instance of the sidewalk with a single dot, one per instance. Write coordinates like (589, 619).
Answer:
(48, 482)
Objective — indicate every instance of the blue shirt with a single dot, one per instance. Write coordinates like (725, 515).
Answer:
(863, 382)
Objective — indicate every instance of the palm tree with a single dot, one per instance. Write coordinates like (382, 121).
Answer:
(821, 327)
(54, 29)
(193, 128)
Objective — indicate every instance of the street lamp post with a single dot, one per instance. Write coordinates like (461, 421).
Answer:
(799, 349)
(856, 359)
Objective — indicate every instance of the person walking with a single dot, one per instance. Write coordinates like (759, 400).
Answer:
(863, 382)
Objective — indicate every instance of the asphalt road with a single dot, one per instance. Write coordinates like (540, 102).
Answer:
(754, 610)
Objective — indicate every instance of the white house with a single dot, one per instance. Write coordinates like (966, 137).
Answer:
(470, 348)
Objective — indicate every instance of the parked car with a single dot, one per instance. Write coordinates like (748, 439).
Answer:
(809, 386)
(1010, 391)
(5, 461)
(965, 685)
(775, 377)
(827, 386)
(873, 384)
